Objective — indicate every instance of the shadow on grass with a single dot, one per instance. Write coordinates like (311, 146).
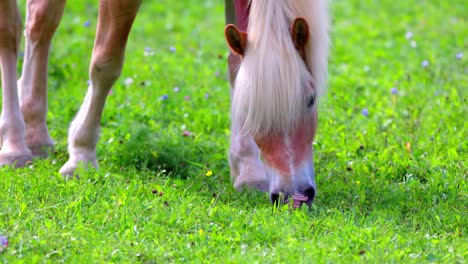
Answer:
(167, 150)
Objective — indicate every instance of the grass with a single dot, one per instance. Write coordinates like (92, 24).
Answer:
(392, 183)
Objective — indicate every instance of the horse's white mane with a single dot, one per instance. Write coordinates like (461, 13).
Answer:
(270, 93)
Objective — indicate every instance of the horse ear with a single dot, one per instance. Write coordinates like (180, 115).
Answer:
(300, 33)
(236, 39)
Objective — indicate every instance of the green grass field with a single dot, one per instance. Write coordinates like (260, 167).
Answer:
(390, 163)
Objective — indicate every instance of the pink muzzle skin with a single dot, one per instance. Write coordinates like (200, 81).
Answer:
(284, 152)
(292, 157)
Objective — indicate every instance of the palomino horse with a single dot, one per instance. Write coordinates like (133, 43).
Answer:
(282, 71)
(278, 68)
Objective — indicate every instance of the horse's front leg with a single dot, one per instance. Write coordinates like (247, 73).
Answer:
(114, 23)
(42, 20)
(13, 149)
(246, 166)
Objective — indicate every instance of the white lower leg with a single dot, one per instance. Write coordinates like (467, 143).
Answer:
(13, 150)
(114, 23)
(244, 160)
(42, 20)
(12, 129)
(33, 98)
(84, 132)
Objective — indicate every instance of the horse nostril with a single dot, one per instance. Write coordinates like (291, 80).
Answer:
(311, 194)
(275, 199)
(311, 101)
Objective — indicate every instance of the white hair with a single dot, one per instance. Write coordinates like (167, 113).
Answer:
(273, 83)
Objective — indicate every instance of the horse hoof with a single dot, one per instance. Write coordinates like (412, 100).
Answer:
(259, 184)
(70, 168)
(15, 160)
(41, 151)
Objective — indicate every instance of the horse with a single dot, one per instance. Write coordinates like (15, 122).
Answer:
(281, 72)
(277, 70)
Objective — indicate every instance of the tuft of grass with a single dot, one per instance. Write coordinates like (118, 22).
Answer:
(173, 152)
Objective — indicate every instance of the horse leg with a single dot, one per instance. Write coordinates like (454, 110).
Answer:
(233, 60)
(229, 12)
(14, 151)
(42, 19)
(246, 166)
(236, 12)
(244, 155)
(114, 23)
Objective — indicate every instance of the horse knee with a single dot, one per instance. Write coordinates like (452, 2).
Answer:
(43, 18)
(105, 70)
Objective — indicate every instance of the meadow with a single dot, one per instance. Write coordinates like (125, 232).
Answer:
(390, 151)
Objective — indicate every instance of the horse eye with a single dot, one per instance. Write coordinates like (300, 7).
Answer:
(311, 101)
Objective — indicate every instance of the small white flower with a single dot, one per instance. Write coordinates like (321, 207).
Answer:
(128, 81)
(409, 35)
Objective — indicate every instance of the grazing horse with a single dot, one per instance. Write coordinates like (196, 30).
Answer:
(277, 76)
(277, 66)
